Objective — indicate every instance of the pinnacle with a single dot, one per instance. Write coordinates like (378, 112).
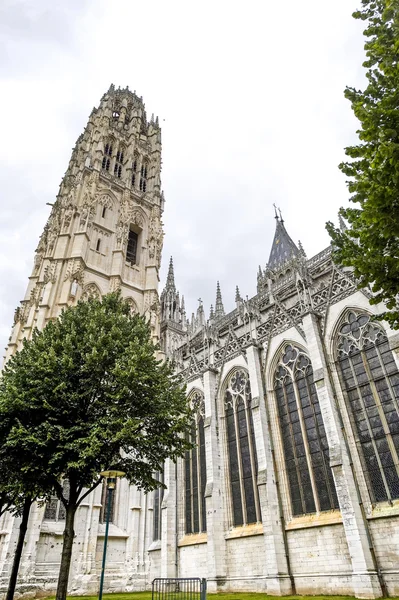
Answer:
(219, 308)
(170, 280)
(238, 295)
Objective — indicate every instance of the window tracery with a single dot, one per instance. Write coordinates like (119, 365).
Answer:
(370, 380)
(303, 435)
(55, 509)
(195, 469)
(243, 466)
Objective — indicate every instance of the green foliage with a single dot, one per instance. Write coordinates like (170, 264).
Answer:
(87, 392)
(371, 243)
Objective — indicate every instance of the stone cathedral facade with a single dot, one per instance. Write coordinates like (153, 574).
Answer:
(293, 485)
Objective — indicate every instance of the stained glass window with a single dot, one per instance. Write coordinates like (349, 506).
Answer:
(370, 380)
(195, 470)
(303, 435)
(243, 467)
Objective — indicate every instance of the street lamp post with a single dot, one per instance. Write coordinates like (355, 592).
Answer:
(110, 476)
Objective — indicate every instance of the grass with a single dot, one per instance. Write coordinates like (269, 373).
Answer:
(221, 596)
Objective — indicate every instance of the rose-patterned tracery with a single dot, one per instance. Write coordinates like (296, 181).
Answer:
(370, 379)
(243, 467)
(304, 439)
(195, 468)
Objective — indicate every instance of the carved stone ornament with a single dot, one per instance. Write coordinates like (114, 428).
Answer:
(155, 235)
(75, 271)
(67, 218)
(91, 291)
(50, 273)
(86, 217)
(133, 306)
(122, 230)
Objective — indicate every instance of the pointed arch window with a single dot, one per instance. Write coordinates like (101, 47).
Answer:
(243, 464)
(134, 171)
(157, 512)
(143, 177)
(303, 435)
(370, 380)
(119, 163)
(195, 470)
(107, 156)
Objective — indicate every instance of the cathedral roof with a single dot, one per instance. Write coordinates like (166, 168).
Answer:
(283, 248)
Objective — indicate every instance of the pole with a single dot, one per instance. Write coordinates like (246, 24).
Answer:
(110, 491)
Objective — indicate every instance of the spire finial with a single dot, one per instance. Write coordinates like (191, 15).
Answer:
(281, 216)
(342, 225)
(219, 308)
(275, 211)
(238, 295)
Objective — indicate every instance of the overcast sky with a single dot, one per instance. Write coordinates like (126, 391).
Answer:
(250, 100)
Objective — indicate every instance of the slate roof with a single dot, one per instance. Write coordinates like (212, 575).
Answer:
(283, 248)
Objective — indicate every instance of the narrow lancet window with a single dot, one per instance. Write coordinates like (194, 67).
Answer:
(143, 177)
(107, 156)
(118, 164)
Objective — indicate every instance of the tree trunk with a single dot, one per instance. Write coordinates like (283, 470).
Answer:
(18, 550)
(66, 556)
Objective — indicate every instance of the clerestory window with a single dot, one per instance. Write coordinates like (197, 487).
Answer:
(306, 455)
(370, 380)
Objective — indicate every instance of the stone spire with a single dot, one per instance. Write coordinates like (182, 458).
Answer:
(170, 279)
(238, 295)
(342, 225)
(211, 313)
(219, 308)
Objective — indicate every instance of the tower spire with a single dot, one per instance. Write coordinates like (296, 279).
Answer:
(170, 279)
(283, 248)
(219, 308)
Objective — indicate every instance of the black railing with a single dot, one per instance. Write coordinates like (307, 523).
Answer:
(189, 588)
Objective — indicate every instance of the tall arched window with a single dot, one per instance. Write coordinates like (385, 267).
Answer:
(107, 156)
(195, 470)
(134, 171)
(370, 380)
(118, 163)
(143, 177)
(243, 466)
(304, 439)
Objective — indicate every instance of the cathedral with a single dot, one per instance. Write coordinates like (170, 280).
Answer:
(293, 484)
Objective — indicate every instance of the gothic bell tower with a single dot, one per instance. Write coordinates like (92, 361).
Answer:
(104, 232)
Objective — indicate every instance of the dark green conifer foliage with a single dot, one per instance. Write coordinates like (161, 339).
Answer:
(371, 243)
(86, 393)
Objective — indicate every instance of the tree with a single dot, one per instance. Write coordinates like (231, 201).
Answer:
(371, 243)
(87, 392)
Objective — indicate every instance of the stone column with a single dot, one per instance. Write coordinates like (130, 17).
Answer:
(365, 577)
(215, 509)
(278, 577)
(169, 537)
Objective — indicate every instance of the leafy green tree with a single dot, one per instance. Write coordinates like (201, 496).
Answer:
(371, 243)
(87, 392)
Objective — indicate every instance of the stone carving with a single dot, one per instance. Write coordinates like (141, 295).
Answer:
(122, 230)
(155, 235)
(68, 214)
(91, 291)
(50, 273)
(133, 306)
(86, 217)
(75, 271)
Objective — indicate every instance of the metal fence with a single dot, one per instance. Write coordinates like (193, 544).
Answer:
(189, 588)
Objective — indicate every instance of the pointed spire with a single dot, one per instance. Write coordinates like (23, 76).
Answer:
(170, 280)
(211, 313)
(238, 295)
(219, 308)
(283, 248)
